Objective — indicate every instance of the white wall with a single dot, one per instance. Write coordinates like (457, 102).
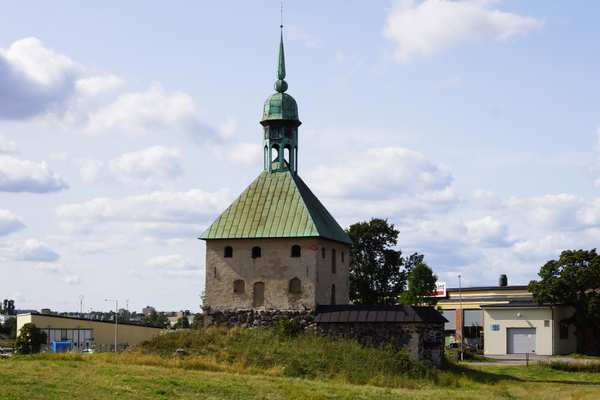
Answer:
(495, 341)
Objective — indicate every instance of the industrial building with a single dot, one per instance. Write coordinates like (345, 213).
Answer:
(84, 334)
(502, 320)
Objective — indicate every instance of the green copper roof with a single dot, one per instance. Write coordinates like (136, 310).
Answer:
(276, 205)
(280, 106)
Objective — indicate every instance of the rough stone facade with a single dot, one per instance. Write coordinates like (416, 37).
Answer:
(241, 282)
(252, 318)
(423, 341)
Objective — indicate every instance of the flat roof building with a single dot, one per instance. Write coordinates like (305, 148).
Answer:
(88, 334)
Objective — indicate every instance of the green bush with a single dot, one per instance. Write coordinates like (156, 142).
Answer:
(30, 339)
(580, 366)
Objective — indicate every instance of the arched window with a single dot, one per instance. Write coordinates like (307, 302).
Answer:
(287, 154)
(274, 153)
(266, 158)
(239, 286)
(258, 294)
(333, 262)
(295, 286)
(228, 253)
(256, 252)
(296, 251)
(333, 294)
(323, 252)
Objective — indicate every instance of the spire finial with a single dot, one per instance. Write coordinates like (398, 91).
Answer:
(281, 85)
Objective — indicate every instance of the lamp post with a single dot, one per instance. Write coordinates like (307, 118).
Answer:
(462, 319)
(116, 320)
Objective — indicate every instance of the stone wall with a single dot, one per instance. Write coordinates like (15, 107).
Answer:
(423, 341)
(252, 318)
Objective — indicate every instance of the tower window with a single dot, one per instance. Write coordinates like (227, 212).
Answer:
(295, 286)
(342, 254)
(228, 253)
(296, 252)
(333, 294)
(239, 286)
(258, 294)
(333, 261)
(256, 253)
(323, 252)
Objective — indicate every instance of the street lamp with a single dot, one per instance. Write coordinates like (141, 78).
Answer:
(116, 320)
(462, 319)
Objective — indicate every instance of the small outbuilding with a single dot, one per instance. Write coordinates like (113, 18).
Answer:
(417, 330)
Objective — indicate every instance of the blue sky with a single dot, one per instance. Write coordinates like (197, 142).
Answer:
(124, 130)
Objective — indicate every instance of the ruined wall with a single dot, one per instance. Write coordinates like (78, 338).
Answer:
(423, 341)
(253, 318)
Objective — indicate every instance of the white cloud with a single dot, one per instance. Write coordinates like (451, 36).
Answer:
(154, 109)
(147, 165)
(9, 222)
(156, 214)
(7, 146)
(28, 250)
(296, 33)
(427, 27)
(247, 154)
(173, 264)
(96, 85)
(34, 79)
(90, 170)
(17, 175)
(72, 279)
(487, 230)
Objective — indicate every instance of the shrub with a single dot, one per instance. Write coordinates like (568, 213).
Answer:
(30, 339)
(580, 366)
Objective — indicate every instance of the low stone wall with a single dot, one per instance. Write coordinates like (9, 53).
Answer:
(254, 318)
(424, 342)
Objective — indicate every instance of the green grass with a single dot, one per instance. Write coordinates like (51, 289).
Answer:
(580, 366)
(267, 365)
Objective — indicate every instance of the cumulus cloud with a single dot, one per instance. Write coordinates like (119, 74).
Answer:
(9, 222)
(72, 279)
(423, 28)
(90, 170)
(487, 230)
(18, 175)
(28, 250)
(34, 79)
(96, 85)
(173, 264)
(154, 109)
(247, 154)
(147, 165)
(156, 214)
(7, 146)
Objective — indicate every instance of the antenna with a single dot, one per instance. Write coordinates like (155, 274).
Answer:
(281, 24)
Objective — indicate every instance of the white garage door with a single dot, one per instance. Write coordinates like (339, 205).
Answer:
(520, 340)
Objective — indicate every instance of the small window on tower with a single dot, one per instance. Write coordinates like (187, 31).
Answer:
(322, 252)
(228, 253)
(295, 286)
(296, 252)
(256, 253)
(239, 286)
(343, 256)
(333, 262)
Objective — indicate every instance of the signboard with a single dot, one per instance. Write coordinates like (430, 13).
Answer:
(440, 289)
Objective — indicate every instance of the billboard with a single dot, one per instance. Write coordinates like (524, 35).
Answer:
(440, 289)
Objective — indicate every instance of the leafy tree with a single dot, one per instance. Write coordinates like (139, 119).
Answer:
(156, 320)
(30, 339)
(9, 327)
(182, 323)
(198, 321)
(376, 273)
(573, 280)
(421, 286)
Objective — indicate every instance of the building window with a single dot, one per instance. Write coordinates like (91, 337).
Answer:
(546, 323)
(323, 252)
(564, 331)
(495, 327)
(333, 294)
(342, 256)
(256, 252)
(258, 294)
(333, 261)
(296, 251)
(228, 253)
(239, 286)
(295, 286)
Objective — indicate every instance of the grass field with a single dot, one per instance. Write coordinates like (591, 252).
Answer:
(110, 376)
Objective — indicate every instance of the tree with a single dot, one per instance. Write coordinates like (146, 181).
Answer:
(156, 320)
(198, 321)
(30, 339)
(376, 273)
(182, 323)
(573, 280)
(9, 327)
(421, 286)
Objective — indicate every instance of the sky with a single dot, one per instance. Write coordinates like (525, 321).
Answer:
(472, 125)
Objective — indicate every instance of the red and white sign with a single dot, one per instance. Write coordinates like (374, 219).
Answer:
(440, 289)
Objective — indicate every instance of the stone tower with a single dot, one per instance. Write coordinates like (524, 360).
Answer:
(276, 247)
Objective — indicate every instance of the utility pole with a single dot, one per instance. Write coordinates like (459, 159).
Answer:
(80, 305)
(116, 320)
(462, 319)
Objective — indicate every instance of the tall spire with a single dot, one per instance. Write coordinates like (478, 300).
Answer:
(281, 85)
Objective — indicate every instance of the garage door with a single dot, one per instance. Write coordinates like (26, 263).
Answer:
(520, 340)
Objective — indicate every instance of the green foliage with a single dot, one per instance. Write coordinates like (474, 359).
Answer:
(30, 339)
(421, 286)
(578, 366)
(304, 355)
(156, 320)
(9, 328)
(286, 327)
(574, 280)
(182, 323)
(198, 321)
(376, 274)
